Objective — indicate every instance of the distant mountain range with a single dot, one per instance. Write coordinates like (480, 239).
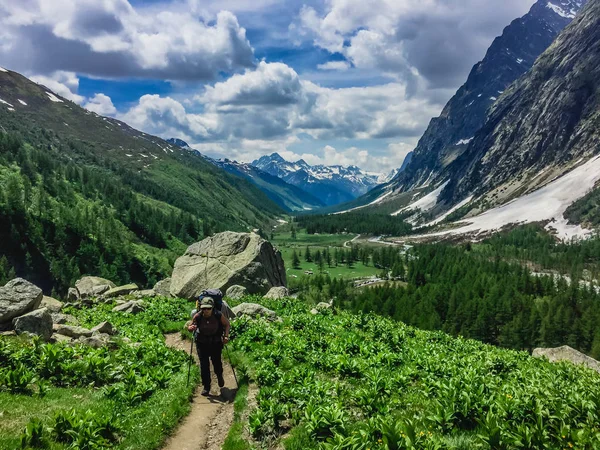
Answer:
(330, 184)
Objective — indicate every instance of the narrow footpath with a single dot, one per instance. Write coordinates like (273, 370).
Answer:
(208, 423)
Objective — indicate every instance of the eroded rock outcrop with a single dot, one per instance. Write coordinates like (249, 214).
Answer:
(18, 297)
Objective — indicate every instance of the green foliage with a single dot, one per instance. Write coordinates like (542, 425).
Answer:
(413, 390)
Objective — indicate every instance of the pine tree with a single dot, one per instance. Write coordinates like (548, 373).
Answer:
(307, 255)
(295, 260)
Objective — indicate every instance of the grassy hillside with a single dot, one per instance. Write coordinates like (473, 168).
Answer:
(86, 194)
(343, 381)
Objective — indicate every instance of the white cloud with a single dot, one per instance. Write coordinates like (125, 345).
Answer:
(63, 83)
(334, 65)
(434, 39)
(101, 104)
(112, 38)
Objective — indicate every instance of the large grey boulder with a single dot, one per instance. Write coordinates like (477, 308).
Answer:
(236, 291)
(566, 353)
(277, 293)
(53, 305)
(254, 310)
(163, 287)
(149, 293)
(226, 259)
(92, 287)
(38, 322)
(121, 290)
(59, 318)
(72, 331)
(18, 297)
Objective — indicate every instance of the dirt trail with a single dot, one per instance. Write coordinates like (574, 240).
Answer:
(208, 423)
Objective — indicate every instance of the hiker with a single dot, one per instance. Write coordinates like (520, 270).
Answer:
(211, 331)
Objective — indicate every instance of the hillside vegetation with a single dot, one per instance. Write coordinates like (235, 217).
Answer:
(356, 381)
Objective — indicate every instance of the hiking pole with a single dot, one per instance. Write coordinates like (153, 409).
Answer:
(232, 369)
(191, 359)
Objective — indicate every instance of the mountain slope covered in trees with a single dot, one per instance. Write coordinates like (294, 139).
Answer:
(86, 194)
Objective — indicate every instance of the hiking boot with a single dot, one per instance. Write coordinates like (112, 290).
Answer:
(205, 392)
(221, 380)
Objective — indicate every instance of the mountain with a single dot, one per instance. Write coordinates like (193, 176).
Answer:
(289, 197)
(510, 56)
(83, 193)
(330, 184)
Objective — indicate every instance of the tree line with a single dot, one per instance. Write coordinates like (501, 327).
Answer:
(354, 222)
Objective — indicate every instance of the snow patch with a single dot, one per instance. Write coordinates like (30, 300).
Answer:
(446, 214)
(547, 203)
(11, 109)
(519, 60)
(281, 221)
(425, 203)
(561, 12)
(2, 69)
(493, 98)
(145, 156)
(54, 98)
(6, 103)
(127, 154)
(22, 102)
(464, 141)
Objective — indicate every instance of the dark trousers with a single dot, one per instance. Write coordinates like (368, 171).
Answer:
(210, 351)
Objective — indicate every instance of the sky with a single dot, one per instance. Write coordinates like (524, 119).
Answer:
(331, 81)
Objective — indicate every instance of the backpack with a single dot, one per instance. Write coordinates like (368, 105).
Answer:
(217, 297)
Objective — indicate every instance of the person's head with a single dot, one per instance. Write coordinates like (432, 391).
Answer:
(207, 305)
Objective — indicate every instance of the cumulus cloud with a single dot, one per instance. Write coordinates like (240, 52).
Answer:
(112, 38)
(101, 104)
(63, 83)
(334, 65)
(435, 39)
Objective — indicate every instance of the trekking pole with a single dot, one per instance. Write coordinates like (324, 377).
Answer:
(190, 362)
(232, 369)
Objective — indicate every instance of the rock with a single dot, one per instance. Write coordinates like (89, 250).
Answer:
(147, 293)
(228, 259)
(227, 311)
(314, 311)
(121, 290)
(99, 290)
(131, 307)
(72, 331)
(8, 333)
(85, 286)
(277, 293)
(104, 327)
(61, 338)
(53, 305)
(94, 341)
(120, 302)
(38, 322)
(236, 291)
(59, 318)
(323, 305)
(163, 288)
(566, 353)
(72, 295)
(254, 310)
(18, 297)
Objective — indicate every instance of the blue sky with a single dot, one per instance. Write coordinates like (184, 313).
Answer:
(334, 82)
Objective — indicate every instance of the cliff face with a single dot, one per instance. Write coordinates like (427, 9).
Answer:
(510, 56)
(547, 120)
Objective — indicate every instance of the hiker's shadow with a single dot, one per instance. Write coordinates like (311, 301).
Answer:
(227, 396)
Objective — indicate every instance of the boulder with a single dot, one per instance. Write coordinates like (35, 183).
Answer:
(163, 288)
(314, 311)
(61, 338)
(254, 310)
(72, 295)
(53, 305)
(38, 322)
(99, 290)
(236, 291)
(120, 290)
(323, 305)
(277, 293)
(85, 286)
(18, 297)
(146, 293)
(72, 331)
(132, 307)
(566, 353)
(228, 259)
(97, 341)
(59, 318)
(105, 328)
